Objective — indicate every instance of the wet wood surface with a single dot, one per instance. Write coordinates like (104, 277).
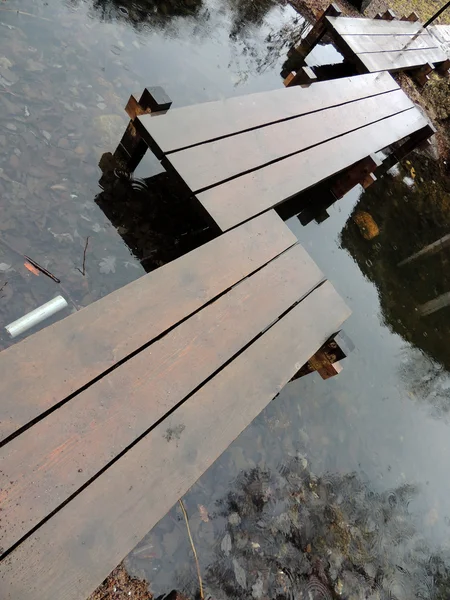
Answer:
(386, 43)
(401, 60)
(81, 347)
(359, 26)
(49, 462)
(244, 197)
(381, 45)
(70, 554)
(209, 164)
(188, 126)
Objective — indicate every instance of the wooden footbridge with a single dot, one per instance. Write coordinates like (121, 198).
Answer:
(110, 415)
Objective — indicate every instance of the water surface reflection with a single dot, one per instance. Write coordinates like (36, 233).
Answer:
(340, 488)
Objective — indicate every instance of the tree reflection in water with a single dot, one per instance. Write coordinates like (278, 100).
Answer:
(410, 216)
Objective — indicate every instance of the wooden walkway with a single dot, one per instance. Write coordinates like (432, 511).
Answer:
(243, 156)
(110, 415)
(442, 34)
(383, 44)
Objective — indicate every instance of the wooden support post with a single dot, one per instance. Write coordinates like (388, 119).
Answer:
(413, 17)
(402, 150)
(132, 147)
(420, 76)
(316, 33)
(304, 76)
(389, 15)
(443, 67)
(361, 172)
(326, 360)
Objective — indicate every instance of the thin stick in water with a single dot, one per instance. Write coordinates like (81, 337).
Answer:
(202, 597)
(83, 272)
(42, 269)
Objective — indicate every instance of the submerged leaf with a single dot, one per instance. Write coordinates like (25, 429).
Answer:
(108, 265)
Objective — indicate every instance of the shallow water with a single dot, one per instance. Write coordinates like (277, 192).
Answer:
(339, 488)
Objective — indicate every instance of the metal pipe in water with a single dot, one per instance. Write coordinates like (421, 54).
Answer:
(36, 316)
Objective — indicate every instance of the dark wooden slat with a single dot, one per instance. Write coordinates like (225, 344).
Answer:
(235, 201)
(209, 164)
(396, 61)
(84, 345)
(352, 26)
(191, 125)
(47, 463)
(386, 43)
(75, 550)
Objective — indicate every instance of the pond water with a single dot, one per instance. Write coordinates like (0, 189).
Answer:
(339, 489)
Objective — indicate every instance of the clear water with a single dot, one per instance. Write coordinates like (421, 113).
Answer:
(339, 489)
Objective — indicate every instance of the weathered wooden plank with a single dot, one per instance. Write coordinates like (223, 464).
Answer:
(441, 32)
(244, 197)
(81, 347)
(209, 164)
(183, 127)
(352, 26)
(388, 43)
(396, 61)
(70, 554)
(434, 305)
(46, 464)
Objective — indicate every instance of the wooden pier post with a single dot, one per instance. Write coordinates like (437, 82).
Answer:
(132, 147)
(413, 17)
(326, 360)
(317, 32)
(361, 172)
(304, 76)
(421, 76)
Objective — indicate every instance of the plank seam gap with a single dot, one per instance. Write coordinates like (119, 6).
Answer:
(236, 133)
(400, 51)
(6, 553)
(45, 414)
(276, 160)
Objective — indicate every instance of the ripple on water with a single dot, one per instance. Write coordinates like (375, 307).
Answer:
(316, 590)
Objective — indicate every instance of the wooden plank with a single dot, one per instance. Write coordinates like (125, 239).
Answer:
(352, 26)
(396, 61)
(244, 197)
(386, 43)
(209, 164)
(434, 305)
(70, 554)
(183, 127)
(441, 32)
(430, 250)
(81, 347)
(46, 464)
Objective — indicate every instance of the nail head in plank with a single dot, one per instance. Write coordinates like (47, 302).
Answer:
(209, 164)
(82, 346)
(246, 196)
(183, 127)
(46, 464)
(71, 554)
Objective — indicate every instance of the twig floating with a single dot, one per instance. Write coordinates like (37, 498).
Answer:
(42, 269)
(202, 597)
(27, 14)
(83, 272)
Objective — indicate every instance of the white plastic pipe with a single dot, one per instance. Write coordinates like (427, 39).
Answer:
(36, 316)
